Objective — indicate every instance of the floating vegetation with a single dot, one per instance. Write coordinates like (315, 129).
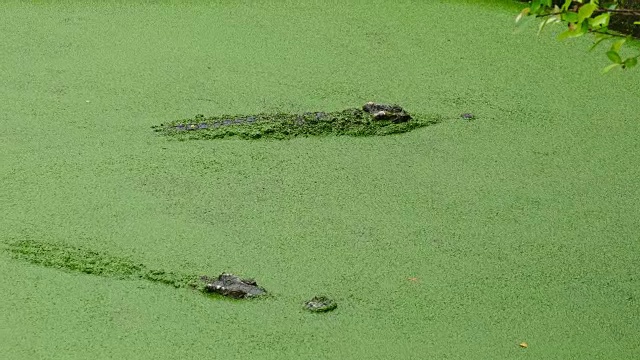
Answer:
(91, 262)
(372, 119)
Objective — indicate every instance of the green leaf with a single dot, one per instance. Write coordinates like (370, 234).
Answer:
(630, 62)
(548, 20)
(599, 38)
(575, 32)
(617, 45)
(636, 22)
(564, 35)
(586, 11)
(614, 57)
(566, 5)
(523, 13)
(523, 23)
(535, 6)
(608, 68)
(570, 16)
(584, 27)
(568, 34)
(600, 20)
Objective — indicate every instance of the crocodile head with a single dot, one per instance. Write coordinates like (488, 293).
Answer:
(386, 112)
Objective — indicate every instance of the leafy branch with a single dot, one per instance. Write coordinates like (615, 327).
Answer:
(582, 18)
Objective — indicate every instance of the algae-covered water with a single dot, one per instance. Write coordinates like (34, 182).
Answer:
(459, 240)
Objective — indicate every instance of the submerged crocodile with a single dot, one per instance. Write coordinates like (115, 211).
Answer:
(78, 259)
(370, 120)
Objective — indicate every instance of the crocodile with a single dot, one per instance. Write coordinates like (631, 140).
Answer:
(369, 120)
